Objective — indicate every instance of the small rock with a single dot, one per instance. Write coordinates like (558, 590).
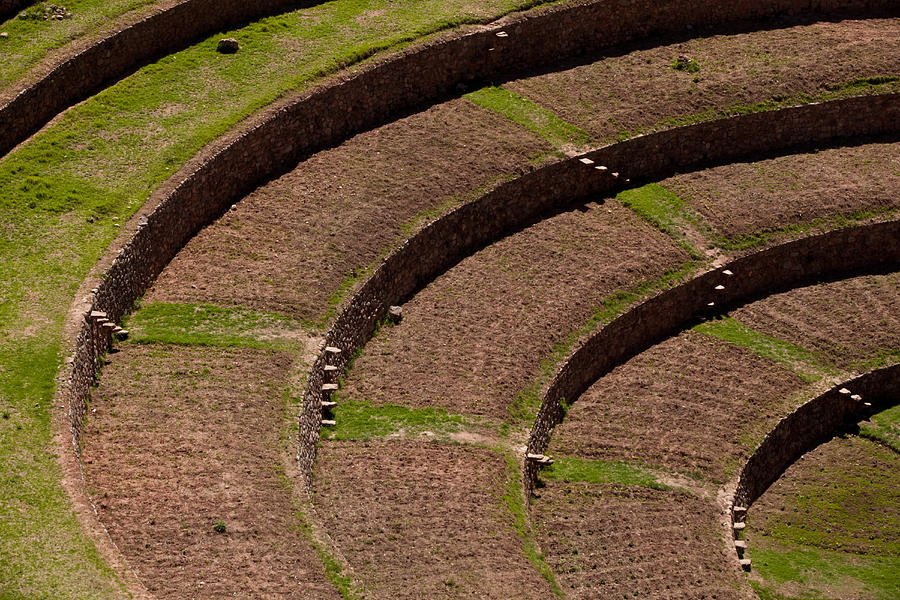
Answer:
(228, 46)
(4, 35)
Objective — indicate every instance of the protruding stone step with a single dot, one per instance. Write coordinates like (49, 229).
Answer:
(328, 423)
(586, 161)
(745, 564)
(502, 34)
(331, 354)
(602, 168)
(741, 545)
(739, 512)
(720, 288)
(395, 314)
(844, 391)
(328, 389)
(98, 314)
(738, 526)
(541, 459)
(727, 272)
(328, 404)
(330, 373)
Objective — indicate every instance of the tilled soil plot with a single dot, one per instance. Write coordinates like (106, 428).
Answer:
(288, 246)
(748, 198)
(642, 89)
(845, 321)
(840, 502)
(691, 404)
(612, 541)
(423, 520)
(179, 438)
(475, 337)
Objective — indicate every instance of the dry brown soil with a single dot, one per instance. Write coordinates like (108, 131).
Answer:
(844, 321)
(612, 541)
(423, 520)
(641, 89)
(691, 404)
(287, 246)
(747, 198)
(476, 335)
(179, 438)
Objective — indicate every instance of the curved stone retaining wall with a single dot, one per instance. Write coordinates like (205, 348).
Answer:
(444, 242)
(332, 112)
(812, 424)
(870, 248)
(535, 39)
(8, 8)
(118, 54)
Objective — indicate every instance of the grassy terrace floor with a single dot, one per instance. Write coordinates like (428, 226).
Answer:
(32, 39)
(67, 190)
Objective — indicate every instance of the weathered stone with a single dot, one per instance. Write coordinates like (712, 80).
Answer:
(228, 46)
(395, 314)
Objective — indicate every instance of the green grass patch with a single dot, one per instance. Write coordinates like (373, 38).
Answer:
(825, 574)
(806, 364)
(211, 325)
(362, 420)
(533, 117)
(514, 502)
(884, 428)
(31, 39)
(668, 213)
(571, 469)
(524, 407)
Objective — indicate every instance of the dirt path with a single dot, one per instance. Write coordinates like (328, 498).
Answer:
(181, 438)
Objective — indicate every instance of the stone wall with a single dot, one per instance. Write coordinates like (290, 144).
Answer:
(274, 142)
(8, 8)
(536, 39)
(119, 53)
(813, 423)
(866, 248)
(441, 244)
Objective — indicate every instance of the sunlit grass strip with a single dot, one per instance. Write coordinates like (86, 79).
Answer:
(362, 420)
(514, 502)
(572, 469)
(668, 213)
(530, 115)
(806, 364)
(211, 325)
